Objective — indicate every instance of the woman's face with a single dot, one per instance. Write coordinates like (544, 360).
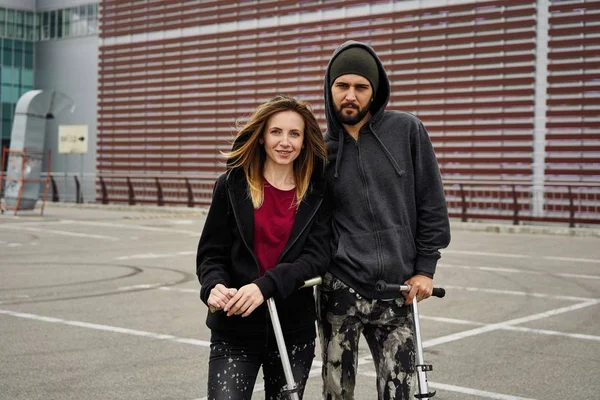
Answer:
(283, 137)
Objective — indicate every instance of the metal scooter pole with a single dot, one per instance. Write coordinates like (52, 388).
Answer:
(421, 367)
(292, 388)
(393, 291)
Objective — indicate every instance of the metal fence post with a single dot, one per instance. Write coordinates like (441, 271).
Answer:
(463, 214)
(55, 197)
(159, 194)
(515, 206)
(104, 191)
(130, 192)
(571, 209)
(190, 193)
(78, 194)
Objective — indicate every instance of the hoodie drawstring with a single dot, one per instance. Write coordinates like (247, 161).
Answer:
(340, 150)
(389, 155)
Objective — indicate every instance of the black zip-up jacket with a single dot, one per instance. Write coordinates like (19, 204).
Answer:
(226, 255)
(389, 210)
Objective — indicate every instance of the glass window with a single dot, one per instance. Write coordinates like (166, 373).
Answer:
(20, 17)
(7, 49)
(29, 18)
(52, 24)
(59, 23)
(2, 19)
(10, 76)
(28, 55)
(45, 28)
(18, 54)
(6, 94)
(7, 111)
(67, 22)
(27, 77)
(10, 15)
(6, 128)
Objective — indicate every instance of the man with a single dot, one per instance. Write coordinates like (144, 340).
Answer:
(389, 222)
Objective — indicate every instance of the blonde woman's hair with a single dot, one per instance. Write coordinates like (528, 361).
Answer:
(249, 154)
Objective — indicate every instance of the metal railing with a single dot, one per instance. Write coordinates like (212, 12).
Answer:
(571, 203)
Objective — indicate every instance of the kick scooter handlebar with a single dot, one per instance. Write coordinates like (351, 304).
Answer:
(390, 290)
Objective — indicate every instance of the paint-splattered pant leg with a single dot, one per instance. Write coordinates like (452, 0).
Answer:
(234, 365)
(389, 334)
(387, 327)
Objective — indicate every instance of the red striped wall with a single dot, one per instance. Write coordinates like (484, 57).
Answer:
(467, 70)
(573, 138)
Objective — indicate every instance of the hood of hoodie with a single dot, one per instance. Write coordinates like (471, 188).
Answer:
(334, 126)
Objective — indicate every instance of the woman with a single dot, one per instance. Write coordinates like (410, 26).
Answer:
(267, 231)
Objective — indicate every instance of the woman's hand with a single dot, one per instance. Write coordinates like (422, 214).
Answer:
(219, 296)
(246, 300)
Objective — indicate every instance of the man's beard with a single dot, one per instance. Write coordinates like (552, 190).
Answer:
(352, 119)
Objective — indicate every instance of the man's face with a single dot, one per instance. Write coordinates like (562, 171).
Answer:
(352, 96)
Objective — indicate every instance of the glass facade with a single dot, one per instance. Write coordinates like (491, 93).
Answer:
(19, 30)
(68, 22)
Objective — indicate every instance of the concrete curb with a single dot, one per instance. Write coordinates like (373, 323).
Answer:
(159, 211)
(552, 230)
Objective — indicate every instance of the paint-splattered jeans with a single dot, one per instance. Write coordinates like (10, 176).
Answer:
(235, 361)
(387, 326)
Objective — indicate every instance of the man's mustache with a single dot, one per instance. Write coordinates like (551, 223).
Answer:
(350, 105)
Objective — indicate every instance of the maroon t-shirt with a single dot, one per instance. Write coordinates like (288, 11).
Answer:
(273, 223)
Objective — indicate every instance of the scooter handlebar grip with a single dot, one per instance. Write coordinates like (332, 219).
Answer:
(393, 290)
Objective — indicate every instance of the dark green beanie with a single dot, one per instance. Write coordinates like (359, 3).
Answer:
(355, 60)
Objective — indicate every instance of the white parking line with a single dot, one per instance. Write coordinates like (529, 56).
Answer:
(518, 271)
(500, 325)
(127, 226)
(463, 390)
(482, 253)
(107, 328)
(57, 232)
(516, 293)
(146, 256)
(552, 258)
(569, 259)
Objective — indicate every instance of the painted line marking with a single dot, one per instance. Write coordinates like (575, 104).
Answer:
(460, 389)
(585, 260)
(57, 232)
(514, 328)
(318, 364)
(516, 293)
(553, 258)
(146, 256)
(500, 325)
(195, 291)
(126, 226)
(107, 328)
(518, 271)
(483, 253)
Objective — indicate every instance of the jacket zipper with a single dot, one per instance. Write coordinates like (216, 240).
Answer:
(371, 212)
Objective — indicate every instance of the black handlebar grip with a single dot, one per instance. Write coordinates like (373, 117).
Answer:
(389, 290)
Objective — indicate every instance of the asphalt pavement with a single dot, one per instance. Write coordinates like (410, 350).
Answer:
(101, 302)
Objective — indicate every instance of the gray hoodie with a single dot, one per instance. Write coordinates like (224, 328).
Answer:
(389, 214)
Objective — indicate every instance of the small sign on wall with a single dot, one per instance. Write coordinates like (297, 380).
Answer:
(73, 139)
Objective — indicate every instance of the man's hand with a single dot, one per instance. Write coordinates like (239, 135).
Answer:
(421, 286)
(219, 296)
(246, 300)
